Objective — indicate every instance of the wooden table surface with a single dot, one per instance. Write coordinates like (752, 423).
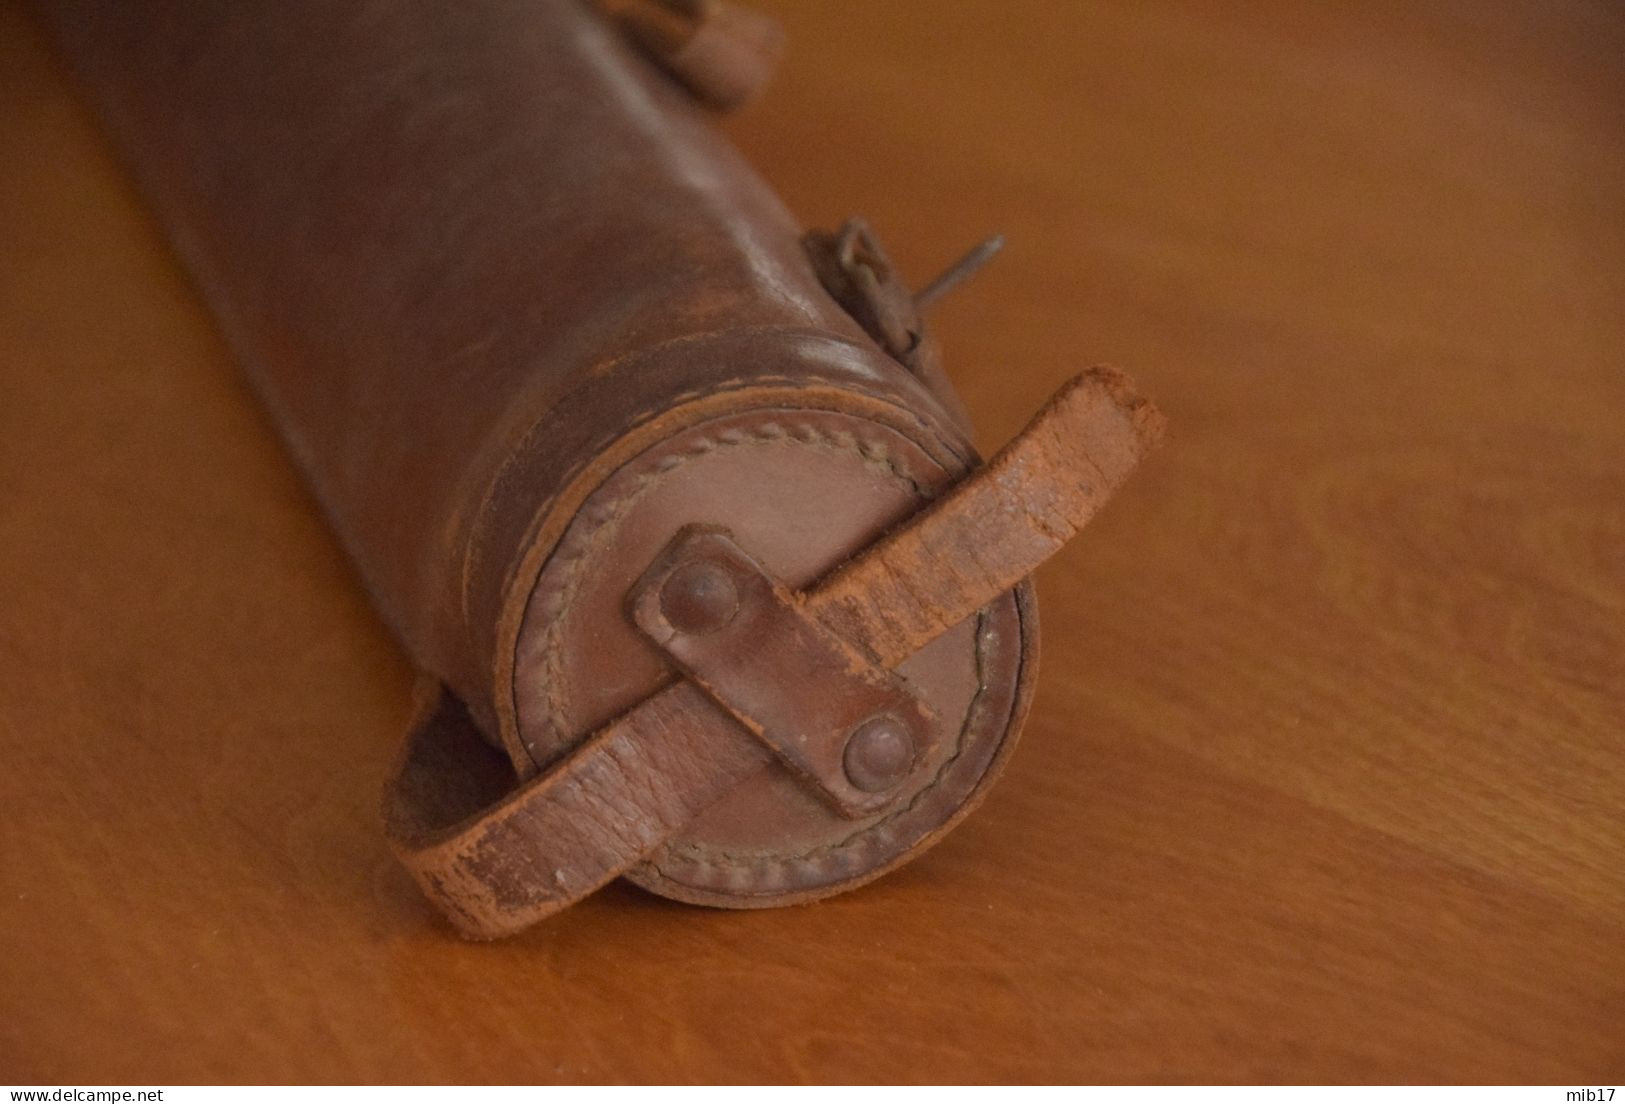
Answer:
(1324, 779)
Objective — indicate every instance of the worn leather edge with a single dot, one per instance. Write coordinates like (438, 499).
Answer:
(969, 543)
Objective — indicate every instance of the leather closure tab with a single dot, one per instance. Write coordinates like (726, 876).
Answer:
(721, 52)
(850, 728)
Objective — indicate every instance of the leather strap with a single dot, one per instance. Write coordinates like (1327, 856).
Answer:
(497, 862)
(742, 637)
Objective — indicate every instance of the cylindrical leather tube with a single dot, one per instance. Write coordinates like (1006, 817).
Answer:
(520, 315)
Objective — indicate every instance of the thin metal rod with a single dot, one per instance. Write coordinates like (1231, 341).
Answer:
(957, 273)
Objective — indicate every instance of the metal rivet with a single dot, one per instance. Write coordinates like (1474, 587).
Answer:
(699, 597)
(878, 754)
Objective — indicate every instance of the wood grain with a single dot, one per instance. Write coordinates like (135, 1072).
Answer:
(1324, 778)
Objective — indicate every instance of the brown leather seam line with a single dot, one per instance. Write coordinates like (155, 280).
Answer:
(480, 505)
(507, 638)
(615, 509)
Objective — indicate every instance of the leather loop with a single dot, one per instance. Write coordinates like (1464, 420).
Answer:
(496, 863)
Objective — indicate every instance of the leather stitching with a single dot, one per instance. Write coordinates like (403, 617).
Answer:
(588, 542)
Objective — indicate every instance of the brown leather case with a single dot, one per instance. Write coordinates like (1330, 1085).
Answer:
(612, 447)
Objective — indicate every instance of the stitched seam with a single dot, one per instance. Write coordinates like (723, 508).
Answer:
(476, 543)
(600, 368)
(615, 510)
(874, 455)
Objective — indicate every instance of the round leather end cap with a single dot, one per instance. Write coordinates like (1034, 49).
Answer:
(801, 490)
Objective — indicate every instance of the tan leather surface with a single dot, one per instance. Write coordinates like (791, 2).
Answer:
(1322, 777)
